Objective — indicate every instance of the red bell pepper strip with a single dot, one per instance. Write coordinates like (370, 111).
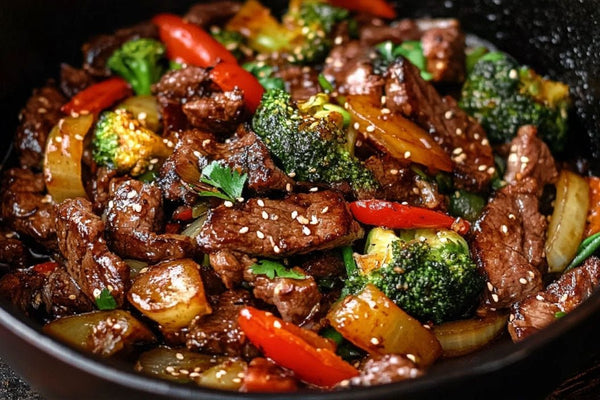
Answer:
(228, 76)
(183, 213)
(379, 8)
(98, 97)
(45, 268)
(316, 365)
(190, 44)
(399, 216)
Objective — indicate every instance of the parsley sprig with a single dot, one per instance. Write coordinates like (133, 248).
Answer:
(274, 269)
(105, 301)
(229, 181)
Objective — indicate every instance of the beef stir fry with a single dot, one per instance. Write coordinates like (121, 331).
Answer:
(332, 198)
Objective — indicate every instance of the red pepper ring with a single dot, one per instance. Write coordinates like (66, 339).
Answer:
(399, 216)
(318, 366)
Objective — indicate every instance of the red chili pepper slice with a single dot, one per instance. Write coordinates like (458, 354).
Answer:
(45, 268)
(316, 365)
(228, 76)
(98, 96)
(190, 44)
(183, 213)
(399, 216)
(379, 8)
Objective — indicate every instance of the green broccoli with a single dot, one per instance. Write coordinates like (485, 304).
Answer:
(121, 143)
(427, 273)
(233, 41)
(503, 96)
(309, 146)
(140, 62)
(265, 75)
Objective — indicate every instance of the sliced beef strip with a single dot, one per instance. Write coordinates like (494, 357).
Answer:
(530, 157)
(102, 186)
(220, 112)
(298, 224)
(295, 299)
(212, 13)
(444, 48)
(50, 291)
(88, 260)
(300, 82)
(230, 266)
(74, 80)
(133, 218)
(326, 264)
(374, 33)
(508, 244)
(350, 67)
(41, 113)
(264, 370)
(400, 183)
(460, 136)
(26, 208)
(219, 332)
(12, 251)
(98, 49)
(379, 370)
(539, 310)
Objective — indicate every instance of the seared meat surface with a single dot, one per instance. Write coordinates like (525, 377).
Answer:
(389, 368)
(230, 266)
(539, 310)
(212, 13)
(444, 48)
(301, 82)
(74, 80)
(300, 223)
(12, 251)
(88, 259)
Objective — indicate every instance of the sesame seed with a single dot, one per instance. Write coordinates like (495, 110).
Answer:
(523, 281)
(170, 369)
(292, 174)
(244, 229)
(294, 214)
(394, 171)
(385, 111)
(197, 154)
(131, 194)
(260, 202)
(407, 154)
(383, 99)
(260, 235)
(476, 136)
(276, 249)
(374, 341)
(481, 168)
(137, 207)
(313, 189)
(563, 298)
(206, 142)
(511, 317)
(240, 199)
(449, 114)
(512, 216)
(411, 357)
(539, 297)
(504, 229)
(457, 151)
(288, 187)
(370, 128)
(513, 74)
(228, 204)
(265, 215)
(459, 131)
(490, 286)
(495, 297)
(96, 292)
(277, 324)
(325, 209)
(303, 220)
(491, 170)
(78, 137)
(531, 274)
(116, 327)
(72, 297)
(356, 125)
(58, 139)
(485, 142)
(142, 116)
(314, 220)
(179, 356)
(524, 159)
(305, 230)
(274, 217)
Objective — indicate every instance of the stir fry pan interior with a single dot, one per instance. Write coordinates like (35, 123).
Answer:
(557, 38)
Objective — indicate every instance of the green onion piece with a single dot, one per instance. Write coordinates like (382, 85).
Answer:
(586, 249)
(348, 256)
(325, 84)
(559, 314)
(474, 56)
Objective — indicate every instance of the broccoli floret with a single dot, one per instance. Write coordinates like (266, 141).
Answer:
(308, 146)
(428, 274)
(140, 62)
(121, 143)
(503, 96)
(233, 41)
(265, 75)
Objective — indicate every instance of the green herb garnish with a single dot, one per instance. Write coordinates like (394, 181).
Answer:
(229, 181)
(559, 314)
(274, 269)
(105, 301)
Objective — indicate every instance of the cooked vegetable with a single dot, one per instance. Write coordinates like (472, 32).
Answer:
(466, 336)
(98, 97)
(378, 8)
(170, 293)
(229, 76)
(265, 75)
(121, 143)
(593, 217)
(225, 376)
(396, 135)
(309, 356)
(567, 223)
(473, 56)
(309, 147)
(145, 109)
(466, 205)
(587, 248)
(412, 50)
(62, 158)
(140, 62)
(274, 269)
(374, 323)
(399, 216)
(229, 181)
(303, 36)
(104, 333)
(233, 41)
(504, 96)
(428, 273)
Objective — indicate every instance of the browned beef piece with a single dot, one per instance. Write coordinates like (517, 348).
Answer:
(26, 208)
(295, 299)
(219, 332)
(397, 32)
(298, 224)
(88, 260)
(98, 50)
(39, 116)
(326, 264)
(101, 187)
(300, 82)
(50, 290)
(133, 218)
(188, 98)
(530, 157)
(508, 244)
(351, 68)
(389, 368)
(444, 48)
(12, 251)
(212, 13)
(264, 370)
(460, 136)
(539, 310)
(400, 183)
(230, 266)
(73, 80)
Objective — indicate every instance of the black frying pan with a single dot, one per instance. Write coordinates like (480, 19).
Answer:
(560, 38)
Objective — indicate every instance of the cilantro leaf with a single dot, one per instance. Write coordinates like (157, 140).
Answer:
(274, 269)
(229, 181)
(559, 314)
(105, 301)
